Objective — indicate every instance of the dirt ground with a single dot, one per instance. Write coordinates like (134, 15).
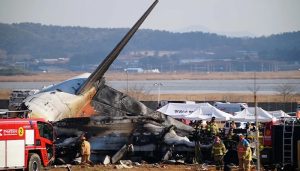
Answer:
(143, 167)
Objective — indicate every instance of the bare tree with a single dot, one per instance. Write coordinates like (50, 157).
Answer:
(286, 91)
(137, 91)
(3, 55)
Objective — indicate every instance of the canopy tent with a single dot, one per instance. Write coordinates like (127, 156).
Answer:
(248, 115)
(196, 115)
(198, 111)
(207, 112)
(278, 114)
(179, 110)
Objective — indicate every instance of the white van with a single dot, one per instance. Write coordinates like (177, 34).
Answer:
(239, 125)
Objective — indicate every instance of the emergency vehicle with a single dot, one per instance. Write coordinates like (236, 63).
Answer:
(281, 142)
(25, 144)
(298, 110)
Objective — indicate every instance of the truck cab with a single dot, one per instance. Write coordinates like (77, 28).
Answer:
(25, 143)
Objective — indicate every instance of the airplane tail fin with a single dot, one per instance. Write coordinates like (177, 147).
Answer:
(103, 67)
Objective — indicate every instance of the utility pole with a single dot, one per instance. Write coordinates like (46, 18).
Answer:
(127, 82)
(256, 122)
(158, 92)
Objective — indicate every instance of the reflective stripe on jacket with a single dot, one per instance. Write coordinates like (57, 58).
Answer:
(218, 149)
(212, 128)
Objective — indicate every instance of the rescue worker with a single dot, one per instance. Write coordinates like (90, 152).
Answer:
(85, 151)
(198, 125)
(230, 134)
(212, 127)
(196, 137)
(231, 157)
(232, 125)
(247, 127)
(253, 127)
(218, 151)
(244, 154)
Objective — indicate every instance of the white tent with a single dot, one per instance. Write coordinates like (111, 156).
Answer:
(198, 111)
(180, 110)
(248, 115)
(278, 114)
(207, 112)
(196, 115)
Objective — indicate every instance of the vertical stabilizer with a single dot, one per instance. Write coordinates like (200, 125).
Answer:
(103, 67)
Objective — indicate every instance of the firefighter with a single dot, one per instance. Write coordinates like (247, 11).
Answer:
(218, 151)
(232, 125)
(230, 134)
(196, 137)
(244, 154)
(85, 151)
(212, 127)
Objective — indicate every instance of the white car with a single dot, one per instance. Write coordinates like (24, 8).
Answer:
(239, 125)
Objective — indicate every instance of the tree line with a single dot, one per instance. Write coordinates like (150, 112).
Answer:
(93, 44)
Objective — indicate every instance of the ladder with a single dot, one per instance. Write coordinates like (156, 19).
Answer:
(287, 148)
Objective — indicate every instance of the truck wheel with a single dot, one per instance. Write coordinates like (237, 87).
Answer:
(34, 163)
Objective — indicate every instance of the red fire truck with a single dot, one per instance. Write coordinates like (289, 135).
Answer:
(25, 144)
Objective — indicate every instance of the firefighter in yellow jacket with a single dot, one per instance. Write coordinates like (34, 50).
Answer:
(218, 152)
(244, 154)
(85, 151)
(212, 127)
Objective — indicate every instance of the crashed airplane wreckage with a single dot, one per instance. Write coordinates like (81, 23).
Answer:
(120, 120)
(111, 119)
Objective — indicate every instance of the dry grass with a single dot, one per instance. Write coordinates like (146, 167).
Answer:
(231, 97)
(42, 77)
(204, 76)
(4, 93)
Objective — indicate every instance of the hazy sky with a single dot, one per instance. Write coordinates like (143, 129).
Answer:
(238, 17)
